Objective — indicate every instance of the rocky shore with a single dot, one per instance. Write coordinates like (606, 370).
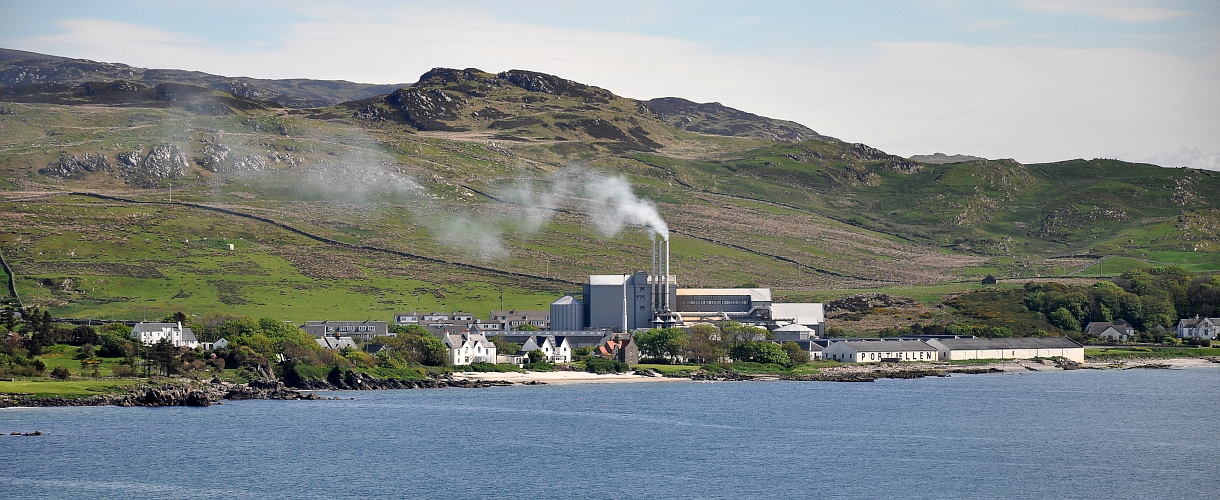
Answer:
(356, 381)
(172, 393)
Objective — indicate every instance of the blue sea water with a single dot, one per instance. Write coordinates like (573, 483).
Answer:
(1080, 434)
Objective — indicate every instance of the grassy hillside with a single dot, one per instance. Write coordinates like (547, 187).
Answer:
(445, 194)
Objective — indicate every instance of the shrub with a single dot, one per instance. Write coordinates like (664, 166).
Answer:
(541, 366)
(594, 364)
(60, 373)
(124, 370)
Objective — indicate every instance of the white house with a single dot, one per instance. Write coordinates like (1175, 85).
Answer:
(871, 351)
(557, 349)
(1008, 348)
(1198, 328)
(466, 348)
(152, 333)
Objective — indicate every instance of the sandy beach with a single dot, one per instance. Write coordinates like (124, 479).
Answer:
(562, 377)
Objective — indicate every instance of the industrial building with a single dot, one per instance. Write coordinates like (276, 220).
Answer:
(1008, 348)
(949, 348)
(653, 299)
(866, 351)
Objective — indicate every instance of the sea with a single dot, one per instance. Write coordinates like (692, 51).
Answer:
(1075, 434)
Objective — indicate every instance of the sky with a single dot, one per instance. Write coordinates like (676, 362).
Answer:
(1033, 80)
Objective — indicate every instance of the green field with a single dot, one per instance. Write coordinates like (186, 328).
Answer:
(48, 388)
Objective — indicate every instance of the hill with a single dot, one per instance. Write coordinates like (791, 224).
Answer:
(121, 198)
(19, 67)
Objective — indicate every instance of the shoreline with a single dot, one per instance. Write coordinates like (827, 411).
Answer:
(199, 393)
(844, 372)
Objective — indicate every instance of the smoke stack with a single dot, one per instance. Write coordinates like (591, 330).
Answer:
(665, 299)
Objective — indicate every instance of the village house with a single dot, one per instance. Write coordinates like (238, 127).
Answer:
(152, 333)
(557, 348)
(619, 347)
(872, 351)
(1118, 331)
(511, 320)
(814, 347)
(466, 348)
(434, 318)
(1198, 328)
(362, 331)
(577, 339)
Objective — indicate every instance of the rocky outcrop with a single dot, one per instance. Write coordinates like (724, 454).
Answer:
(726, 376)
(164, 161)
(427, 109)
(356, 381)
(72, 166)
(868, 375)
(174, 393)
(213, 156)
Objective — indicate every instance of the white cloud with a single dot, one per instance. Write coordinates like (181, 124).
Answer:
(1031, 103)
(1186, 157)
(1126, 11)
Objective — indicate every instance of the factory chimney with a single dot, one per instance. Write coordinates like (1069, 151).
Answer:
(660, 281)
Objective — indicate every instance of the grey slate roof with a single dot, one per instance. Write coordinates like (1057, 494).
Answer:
(887, 345)
(1010, 343)
(336, 343)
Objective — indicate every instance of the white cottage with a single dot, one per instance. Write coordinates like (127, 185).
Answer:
(466, 348)
(872, 351)
(557, 349)
(1198, 328)
(152, 333)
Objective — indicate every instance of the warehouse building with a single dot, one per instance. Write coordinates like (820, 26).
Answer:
(874, 351)
(954, 349)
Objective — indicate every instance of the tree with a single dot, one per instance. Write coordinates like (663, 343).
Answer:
(759, 352)
(1063, 318)
(735, 333)
(796, 355)
(536, 356)
(163, 354)
(503, 346)
(704, 344)
(84, 334)
(526, 327)
(667, 343)
(9, 317)
(115, 341)
(582, 353)
(44, 326)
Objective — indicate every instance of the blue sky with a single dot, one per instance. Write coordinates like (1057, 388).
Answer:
(1034, 80)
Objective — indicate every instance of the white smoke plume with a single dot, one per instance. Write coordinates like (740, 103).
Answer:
(608, 201)
(611, 203)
